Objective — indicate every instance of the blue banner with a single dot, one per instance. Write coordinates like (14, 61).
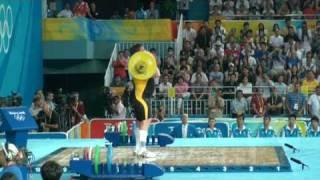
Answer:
(20, 48)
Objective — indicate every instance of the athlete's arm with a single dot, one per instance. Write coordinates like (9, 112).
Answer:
(157, 74)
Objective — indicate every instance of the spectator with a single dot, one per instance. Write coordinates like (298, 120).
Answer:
(314, 129)
(189, 33)
(184, 130)
(49, 101)
(216, 11)
(228, 11)
(295, 101)
(246, 73)
(81, 9)
(216, 103)
(217, 50)
(115, 15)
(141, 13)
(170, 61)
(204, 77)
(244, 30)
(213, 4)
(11, 157)
(152, 12)
(314, 103)
(230, 71)
(309, 83)
(264, 85)
(119, 111)
(117, 82)
(308, 63)
(120, 66)
(278, 61)
(216, 74)
(291, 34)
(291, 130)
(161, 113)
(261, 32)
(239, 105)
(93, 11)
(198, 92)
(51, 170)
(280, 86)
(183, 7)
(40, 111)
(258, 104)
(181, 91)
(164, 86)
(52, 10)
(230, 86)
(203, 39)
(244, 3)
(66, 12)
(268, 11)
(294, 79)
(212, 131)
(266, 130)
(276, 40)
(108, 96)
(274, 103)
(76, 110)
(305, 36)
(240, 131)
(245, 87)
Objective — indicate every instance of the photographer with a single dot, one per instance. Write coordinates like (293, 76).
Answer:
(10, 159)
(46, 119)
(75, 111)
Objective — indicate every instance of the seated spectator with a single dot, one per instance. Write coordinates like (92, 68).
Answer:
(212, 131)
(216, 103)
(244, 30)
(266, 130)
(49, 101)
(264, 85)
(217, 50)
(198, 93)
(76, 110)
(164, 86)
(261, 32)
(258, 104)
(203, 39)
(51, 170)
(314, 103)
(308, 63)
(188, 33)
(82, 9)
(245, 87)
(305, 36)
(219, 30)
(228, 11)
(294, 79)
(10, 158)
(291, 130)
(291, 34)
(170, 60)
(292, 59)
(66, 12)
(268, 10)
(141, 13)
(231, 70)
(216, 11)
(274, 103)
(278, 61)
(240, 131)
(184, 130)
(204, 77)
(281, 87)
(216, 74)
(181, 91)
(295, 101)
(314, 129)
(93, 11)
(239, 105)
(309, 84)
(152, 12)
(119, 111)
(276, 40)
(245, 72)
(230, 86)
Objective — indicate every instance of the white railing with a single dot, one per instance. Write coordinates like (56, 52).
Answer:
(108, 77)
(179, 40)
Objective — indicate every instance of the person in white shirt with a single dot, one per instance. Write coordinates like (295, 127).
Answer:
(245, 86)
(314, 103)
(204, 77)
(119, 111)
(164, 86)
(189, 33)
(66, 12)
(276, 40)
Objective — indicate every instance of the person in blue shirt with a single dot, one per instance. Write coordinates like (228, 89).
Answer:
(266, 130)
(291, 130)
(212, 131)
(184, 130)
(12, 156)
(314, 129)
(240, 131)
(295, 101)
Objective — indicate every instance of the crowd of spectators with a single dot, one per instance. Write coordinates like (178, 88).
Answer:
(231, 9)
(259, 73)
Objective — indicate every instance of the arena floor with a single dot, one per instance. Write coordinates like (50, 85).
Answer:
(309, 154)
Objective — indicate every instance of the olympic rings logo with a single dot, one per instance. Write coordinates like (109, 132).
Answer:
(6, 27)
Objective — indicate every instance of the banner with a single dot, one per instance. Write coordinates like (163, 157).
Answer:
(20, 48)
(113, 30)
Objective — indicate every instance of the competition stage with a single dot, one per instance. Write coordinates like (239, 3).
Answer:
(200, 158)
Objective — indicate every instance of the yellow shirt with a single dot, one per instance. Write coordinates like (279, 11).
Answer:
(308, 87)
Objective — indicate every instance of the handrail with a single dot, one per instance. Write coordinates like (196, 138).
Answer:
(73, 128)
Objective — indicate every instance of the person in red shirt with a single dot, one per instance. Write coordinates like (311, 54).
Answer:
(120, 66)
(77, 109)
(258, 104)
(81, 9)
